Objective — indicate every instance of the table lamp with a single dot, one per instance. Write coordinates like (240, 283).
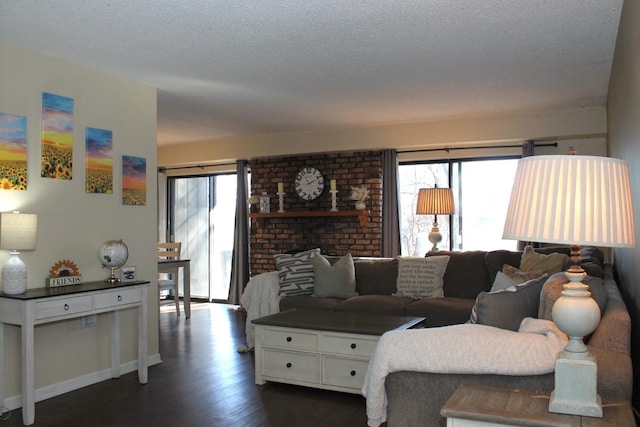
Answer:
(435, 201)
(17, 233)
(574, 200)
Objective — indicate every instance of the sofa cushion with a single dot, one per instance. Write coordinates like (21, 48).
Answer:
(307, 301)
(379, 304)
(550, 263)
(376, 276)
(554, 285)
(466, 275)
(506, 308)
(337, 280)
(296, 272)
(421, 277)
(440, 311)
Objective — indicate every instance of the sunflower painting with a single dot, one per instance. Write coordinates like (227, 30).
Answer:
(99, 161)
(134, 180)
(13, 152)
(57, 137)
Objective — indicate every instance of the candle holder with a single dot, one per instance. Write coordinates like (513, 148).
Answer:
(333, 200)
(281, 201)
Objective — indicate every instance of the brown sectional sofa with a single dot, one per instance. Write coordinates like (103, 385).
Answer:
(415, 398)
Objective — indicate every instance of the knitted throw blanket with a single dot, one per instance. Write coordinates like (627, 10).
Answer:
(461, 349)
(260, 298)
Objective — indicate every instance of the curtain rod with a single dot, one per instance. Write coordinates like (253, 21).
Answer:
(448, 149)
(161, 169)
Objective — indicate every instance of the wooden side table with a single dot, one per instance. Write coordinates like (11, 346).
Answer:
(486, 406)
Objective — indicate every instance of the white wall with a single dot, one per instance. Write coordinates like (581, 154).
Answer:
(71, 223)
(585, 124)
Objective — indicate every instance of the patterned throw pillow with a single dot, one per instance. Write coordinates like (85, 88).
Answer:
(296, 272)
(421, 277)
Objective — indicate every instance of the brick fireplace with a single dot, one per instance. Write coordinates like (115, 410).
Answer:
(333, 235)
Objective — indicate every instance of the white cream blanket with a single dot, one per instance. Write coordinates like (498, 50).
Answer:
(461, 349)
(260, 298)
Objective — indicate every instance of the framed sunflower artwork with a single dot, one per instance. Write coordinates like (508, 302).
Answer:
(13, 152)
(57, 137)
(99, 161)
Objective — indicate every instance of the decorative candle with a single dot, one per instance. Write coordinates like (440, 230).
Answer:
(280, 187)
(333, 185)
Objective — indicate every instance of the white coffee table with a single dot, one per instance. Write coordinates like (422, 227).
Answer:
(320, 348)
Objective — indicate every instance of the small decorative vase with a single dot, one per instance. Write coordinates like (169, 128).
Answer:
(360, 205)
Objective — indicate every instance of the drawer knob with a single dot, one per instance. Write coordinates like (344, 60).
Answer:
(66, 307)
(289, 339)
(353, 373)
(353, 345)
(288, 364)
(119, 297)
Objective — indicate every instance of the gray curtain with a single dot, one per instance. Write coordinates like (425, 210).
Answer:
(240, 259)
(390, 210)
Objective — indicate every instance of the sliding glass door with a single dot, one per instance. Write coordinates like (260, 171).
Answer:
(201, 216)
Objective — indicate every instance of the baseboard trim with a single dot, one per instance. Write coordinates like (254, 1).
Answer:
(47, 392)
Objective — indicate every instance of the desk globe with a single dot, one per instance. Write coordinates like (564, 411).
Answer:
(113, 254)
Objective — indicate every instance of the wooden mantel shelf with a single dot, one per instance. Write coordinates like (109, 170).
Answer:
(362, 215)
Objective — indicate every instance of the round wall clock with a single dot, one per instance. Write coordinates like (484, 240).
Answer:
(309, 183)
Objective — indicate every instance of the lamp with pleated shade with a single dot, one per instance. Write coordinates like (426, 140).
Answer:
(574, 200)
(435, 201)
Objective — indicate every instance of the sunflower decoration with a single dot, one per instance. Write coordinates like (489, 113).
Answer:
(64, 273)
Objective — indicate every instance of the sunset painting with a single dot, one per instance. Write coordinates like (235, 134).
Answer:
(13, 152)
(134, 180)
(57, 137)
(99, 161)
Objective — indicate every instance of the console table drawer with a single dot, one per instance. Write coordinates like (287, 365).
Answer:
(344, 344)
(291, 366)
(63, 307)
(117, 298)
(344, 372)
(288, 339)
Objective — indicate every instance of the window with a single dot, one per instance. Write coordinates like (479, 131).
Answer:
(481, 191)
(202, 217)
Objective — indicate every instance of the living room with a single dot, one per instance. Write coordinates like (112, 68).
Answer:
(73, 224)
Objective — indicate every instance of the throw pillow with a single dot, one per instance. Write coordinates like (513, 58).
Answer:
(337, 280)
(519, 276)
(502, 282)
(296, 272)
(421, 277)
(507, 308)
(550, 263)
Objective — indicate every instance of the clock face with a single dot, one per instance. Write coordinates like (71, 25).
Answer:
(309, 183)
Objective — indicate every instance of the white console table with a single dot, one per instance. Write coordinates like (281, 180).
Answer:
(45, 305)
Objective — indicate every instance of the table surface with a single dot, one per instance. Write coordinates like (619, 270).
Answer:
(100, 285)
(339, 321)
(527, 408)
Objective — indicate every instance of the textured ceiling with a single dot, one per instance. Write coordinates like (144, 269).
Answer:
(237, 67)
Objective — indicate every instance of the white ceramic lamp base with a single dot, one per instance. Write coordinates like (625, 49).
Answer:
(14, 275)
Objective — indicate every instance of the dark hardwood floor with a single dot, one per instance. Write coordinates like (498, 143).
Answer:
(203, 381)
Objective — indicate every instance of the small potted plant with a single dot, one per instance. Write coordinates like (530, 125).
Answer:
(360, 194)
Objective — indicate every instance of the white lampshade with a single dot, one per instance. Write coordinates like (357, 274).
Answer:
(435, 201)
(566, 199)
(18, 231)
